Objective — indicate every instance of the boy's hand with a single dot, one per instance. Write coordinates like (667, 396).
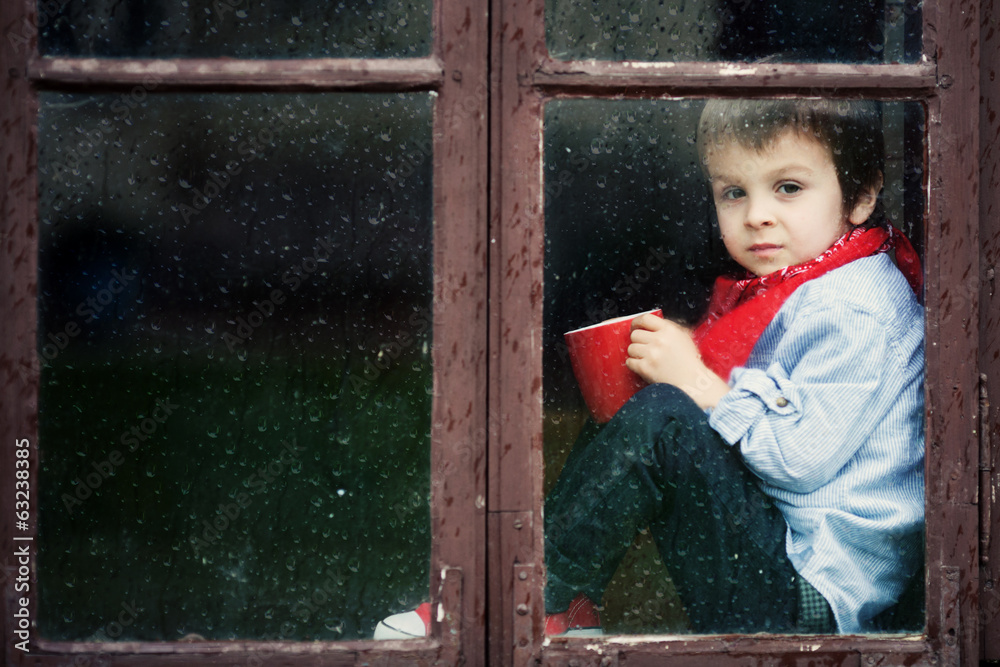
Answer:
(663, 351)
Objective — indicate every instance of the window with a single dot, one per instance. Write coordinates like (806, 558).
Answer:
(612, 61)
(264, 326)
(628, 228)
(227, 469)
(250, 275)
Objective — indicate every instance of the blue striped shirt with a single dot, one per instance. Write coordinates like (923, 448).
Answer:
(829, 413)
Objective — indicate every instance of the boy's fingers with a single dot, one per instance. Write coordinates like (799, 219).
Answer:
(641, 336)
(648, 322)
(635, 365)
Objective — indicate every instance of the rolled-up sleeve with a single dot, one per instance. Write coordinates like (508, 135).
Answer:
(801, 419)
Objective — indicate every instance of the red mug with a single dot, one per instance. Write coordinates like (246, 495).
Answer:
(598, 355)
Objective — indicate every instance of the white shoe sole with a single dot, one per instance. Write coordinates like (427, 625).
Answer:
(583, 632)
(407, 625)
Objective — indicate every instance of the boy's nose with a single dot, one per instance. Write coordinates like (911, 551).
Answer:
(759, 214)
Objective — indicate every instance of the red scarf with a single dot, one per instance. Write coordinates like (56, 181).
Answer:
(740, 309)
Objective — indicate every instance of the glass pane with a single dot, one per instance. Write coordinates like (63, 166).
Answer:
(235, 28)
(631, 226)
(234, 302)
(862, 31)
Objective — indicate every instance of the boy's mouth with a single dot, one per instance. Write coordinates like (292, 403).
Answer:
(764, 249)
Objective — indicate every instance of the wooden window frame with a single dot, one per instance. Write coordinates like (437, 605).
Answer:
(947, 82)
(989, 325)
(487, 361)
(456, 71)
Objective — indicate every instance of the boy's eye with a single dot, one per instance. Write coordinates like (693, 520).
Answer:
(733, 193)
(789, 188)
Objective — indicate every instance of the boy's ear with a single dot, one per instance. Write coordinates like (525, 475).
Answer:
(866, 204)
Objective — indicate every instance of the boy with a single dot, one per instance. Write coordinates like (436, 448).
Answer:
(777, 456)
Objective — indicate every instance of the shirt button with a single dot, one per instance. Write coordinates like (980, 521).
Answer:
(781, 401)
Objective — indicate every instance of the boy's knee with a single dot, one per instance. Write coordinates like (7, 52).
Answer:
(662, 400)
(665, 415)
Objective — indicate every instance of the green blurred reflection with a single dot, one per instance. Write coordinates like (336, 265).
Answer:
(234, 306)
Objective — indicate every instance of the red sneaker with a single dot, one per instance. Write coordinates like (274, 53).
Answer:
(581, 619)
(407, 625)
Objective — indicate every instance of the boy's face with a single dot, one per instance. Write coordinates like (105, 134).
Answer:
(782, 205)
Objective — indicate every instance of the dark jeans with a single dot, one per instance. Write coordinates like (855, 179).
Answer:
(659, 464)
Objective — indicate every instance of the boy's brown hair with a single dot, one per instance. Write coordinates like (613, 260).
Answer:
(851, 129)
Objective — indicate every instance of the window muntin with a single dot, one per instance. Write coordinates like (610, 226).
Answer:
(629, 226)
(235, 29)
(235, 297)
(861, 31)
